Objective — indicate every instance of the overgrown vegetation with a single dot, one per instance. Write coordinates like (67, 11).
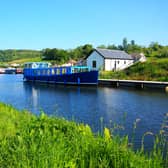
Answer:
(40, 141)
(154, 69)
(10, 55)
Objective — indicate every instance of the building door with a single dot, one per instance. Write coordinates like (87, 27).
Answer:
(115, 66)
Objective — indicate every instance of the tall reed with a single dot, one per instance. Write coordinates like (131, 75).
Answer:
(41, 141)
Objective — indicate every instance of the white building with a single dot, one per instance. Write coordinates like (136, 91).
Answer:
(138, 57)
(108, 60)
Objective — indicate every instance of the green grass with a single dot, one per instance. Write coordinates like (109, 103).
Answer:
(154, 69)
(23, 60)
(20, 61)
(40, 142)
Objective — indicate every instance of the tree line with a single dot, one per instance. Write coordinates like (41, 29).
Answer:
(154, 49)
(60, 56)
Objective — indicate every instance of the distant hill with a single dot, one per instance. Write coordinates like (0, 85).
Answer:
(11, 55)
(55, 55)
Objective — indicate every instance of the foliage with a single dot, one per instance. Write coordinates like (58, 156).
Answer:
(40, 141)
(131, 47)
(58, 55)
(62, 56)
(9, 55)
(55, 55)
(153, 50)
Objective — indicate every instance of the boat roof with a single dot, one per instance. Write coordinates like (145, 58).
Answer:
(37, 62)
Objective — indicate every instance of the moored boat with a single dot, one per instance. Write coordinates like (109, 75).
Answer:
(2, 70)
(75, 75)
(10, 70)
(19, 70)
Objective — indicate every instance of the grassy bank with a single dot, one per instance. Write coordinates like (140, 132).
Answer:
(154, 69)
(23, 60)
(30, 141)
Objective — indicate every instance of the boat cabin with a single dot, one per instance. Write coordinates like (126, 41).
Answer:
(43, 68)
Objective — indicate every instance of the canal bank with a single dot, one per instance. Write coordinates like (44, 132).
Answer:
(42, 141)
(133, 83)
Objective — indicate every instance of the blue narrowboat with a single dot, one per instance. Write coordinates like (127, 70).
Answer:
(74, 75)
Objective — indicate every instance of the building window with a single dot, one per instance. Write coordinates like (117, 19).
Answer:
(94, 64)
(124, 62)
(118, 62)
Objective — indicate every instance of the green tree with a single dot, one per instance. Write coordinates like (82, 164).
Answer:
(132, 42)
(112, 47)
(125, 44)
(155, 46)
(102, 46)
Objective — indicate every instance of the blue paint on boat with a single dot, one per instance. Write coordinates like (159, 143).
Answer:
(42, 72)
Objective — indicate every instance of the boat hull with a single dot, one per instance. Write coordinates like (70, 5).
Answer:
(82, 78)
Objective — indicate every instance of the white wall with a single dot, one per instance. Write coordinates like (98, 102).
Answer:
(95, 57)
(117, 64)
(107, 64)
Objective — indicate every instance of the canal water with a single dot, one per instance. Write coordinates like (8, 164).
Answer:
(116, 108)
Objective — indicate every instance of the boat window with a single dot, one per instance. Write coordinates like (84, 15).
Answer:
(48, 72)
(35, 72)
(64, 70)
(28, 65)
(58, 71)
(84, 70)
(75, 70)
(52, 72)
(43, 72)
(79, 69)
(38, 72)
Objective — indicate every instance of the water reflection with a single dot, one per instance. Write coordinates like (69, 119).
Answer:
(34, 97)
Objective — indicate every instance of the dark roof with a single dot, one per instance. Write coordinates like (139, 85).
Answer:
(137, 55)
(113, 54)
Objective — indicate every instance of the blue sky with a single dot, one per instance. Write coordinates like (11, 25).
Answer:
(39, 24)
